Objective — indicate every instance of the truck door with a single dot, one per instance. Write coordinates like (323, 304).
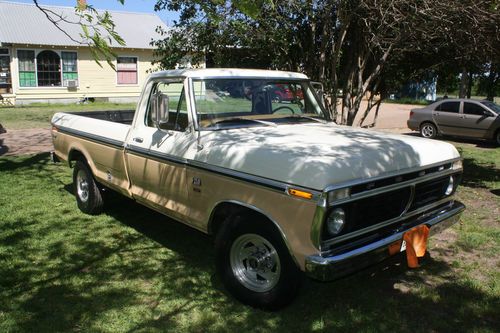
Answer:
(155, 156)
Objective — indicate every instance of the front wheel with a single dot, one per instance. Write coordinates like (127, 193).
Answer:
(497, 138)
(254, 264)
(88, 195)
(428, 130)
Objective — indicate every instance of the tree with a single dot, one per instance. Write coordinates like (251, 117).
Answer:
(98, 29)
(356, 46)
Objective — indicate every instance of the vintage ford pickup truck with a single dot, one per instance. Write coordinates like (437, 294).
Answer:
(252, 157)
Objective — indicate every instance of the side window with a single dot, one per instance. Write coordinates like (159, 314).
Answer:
(472, 108)
(452, 107)
(178, 115)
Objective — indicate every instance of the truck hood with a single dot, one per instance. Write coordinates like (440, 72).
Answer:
(317, 155)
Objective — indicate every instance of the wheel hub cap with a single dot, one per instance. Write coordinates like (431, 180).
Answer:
(255, 262)
(82, 186)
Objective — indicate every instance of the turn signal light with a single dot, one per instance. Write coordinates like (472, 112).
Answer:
(299, 193)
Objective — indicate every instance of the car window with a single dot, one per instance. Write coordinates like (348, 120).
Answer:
(452, 107)
(472, 108)
(178, 115)
(493, 106)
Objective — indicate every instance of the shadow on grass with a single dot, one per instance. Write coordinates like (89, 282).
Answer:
(153, 274)
(476, 175)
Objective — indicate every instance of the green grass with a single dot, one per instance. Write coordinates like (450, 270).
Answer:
(39, 115)
(133, 270)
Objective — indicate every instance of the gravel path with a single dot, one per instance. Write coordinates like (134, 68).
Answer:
(392, 118)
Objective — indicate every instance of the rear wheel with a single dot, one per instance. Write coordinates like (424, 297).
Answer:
(88, 195)
(497, 138)
(254, 264)
(428, 130)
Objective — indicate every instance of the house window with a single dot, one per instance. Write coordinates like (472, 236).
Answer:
(48, 66)
(47, 69)
(69, 67)
(126, 70)
(5, 83)
(27, 72)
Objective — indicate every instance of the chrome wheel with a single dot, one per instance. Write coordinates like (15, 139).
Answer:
(428, 130)
(82, 185)
(255, 262)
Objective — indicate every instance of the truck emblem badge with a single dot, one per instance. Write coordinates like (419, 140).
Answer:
(370, 186)
(196, 181)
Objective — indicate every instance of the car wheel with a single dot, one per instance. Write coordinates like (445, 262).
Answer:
(428, 130)
(88, 195)
(254, 263)
(497, 138)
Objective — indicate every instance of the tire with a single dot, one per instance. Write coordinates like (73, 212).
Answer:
(240, 244)
(428, 130)
(497, 138)
(87, 193)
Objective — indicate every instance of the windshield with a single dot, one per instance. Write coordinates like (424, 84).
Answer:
(222, 103)
(493, 106)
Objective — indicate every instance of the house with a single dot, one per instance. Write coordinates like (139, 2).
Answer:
(39, 62)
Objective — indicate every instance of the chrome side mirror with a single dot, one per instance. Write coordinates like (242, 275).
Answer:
(159, 109)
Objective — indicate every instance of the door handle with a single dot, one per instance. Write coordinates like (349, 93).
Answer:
(139, 140)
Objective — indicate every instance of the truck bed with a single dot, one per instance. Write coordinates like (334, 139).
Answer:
(117, 116)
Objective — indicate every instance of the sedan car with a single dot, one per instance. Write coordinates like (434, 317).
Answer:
(458, 117)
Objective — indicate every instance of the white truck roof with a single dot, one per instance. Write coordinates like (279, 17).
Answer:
(228, 73)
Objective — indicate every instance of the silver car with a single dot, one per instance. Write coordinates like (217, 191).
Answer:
(458, 117)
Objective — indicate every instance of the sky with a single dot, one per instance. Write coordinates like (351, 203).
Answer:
(146, 6)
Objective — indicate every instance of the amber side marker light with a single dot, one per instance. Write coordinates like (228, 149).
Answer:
(55, 129)
(300, 194)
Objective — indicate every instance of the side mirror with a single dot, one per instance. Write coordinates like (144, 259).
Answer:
(159, 109)
(487, 114)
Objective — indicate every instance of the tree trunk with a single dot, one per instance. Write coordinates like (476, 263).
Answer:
(469, 85)
(463, 83)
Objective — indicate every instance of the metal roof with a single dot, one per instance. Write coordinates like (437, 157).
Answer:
(23, 23)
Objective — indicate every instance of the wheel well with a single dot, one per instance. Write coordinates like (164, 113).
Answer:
(427, 122)
(225, 209)
(76, 155)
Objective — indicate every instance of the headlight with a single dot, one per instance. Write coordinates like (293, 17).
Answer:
(335, 221)
(457, 165)
(450, 187)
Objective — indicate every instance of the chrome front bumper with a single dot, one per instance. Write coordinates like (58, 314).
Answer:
(326, 268)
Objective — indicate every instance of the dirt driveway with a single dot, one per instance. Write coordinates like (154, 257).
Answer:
(392, 117)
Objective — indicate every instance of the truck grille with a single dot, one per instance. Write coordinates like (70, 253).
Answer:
(378, 208)
(369, 211)
(428, 192)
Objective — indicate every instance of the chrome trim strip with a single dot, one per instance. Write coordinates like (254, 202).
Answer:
(388, 175)
(383, 224)
(268, 183)
(411, 182)
(91, 137)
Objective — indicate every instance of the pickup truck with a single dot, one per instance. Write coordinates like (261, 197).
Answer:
(281, 187)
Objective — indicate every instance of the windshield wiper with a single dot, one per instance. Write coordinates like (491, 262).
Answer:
(239, 119)
(300, 116)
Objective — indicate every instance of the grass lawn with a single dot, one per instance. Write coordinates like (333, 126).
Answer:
(39, 115)
(133, 270)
